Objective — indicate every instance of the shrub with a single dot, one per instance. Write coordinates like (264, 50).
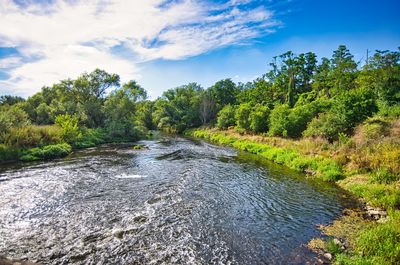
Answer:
(327, 125)
(372, 129)
(226, 117)
(242, 116)
(278, 121)
(90, 138)
(12, 116)
(8, 153)
(292, 122)
(47, 152)
(69, 125)
(259, 119)
(386, 110)
(355, 106)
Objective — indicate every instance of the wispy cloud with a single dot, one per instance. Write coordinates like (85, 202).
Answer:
(61, 39)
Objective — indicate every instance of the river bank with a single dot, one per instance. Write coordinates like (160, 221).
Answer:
(355, 238)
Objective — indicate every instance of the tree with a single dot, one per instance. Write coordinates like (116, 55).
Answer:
(207, 107)
(259, 119)
(10, 100)
(226, 117)
(179, 108)
(120, 109)
(224, 92)
(343, 69)
(69, 125)
(242, 116)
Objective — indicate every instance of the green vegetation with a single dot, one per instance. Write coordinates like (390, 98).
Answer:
(73, 113)
(332, 118)
(46, 152)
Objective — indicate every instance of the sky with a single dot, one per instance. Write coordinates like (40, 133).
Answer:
(163, 44)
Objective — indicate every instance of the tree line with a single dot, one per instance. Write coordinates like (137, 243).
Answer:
(299, 96)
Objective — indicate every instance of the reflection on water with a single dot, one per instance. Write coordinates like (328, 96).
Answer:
(178, 202)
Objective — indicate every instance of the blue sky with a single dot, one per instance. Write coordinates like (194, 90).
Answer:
(166, 44)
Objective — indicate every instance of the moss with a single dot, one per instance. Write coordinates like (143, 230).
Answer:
(138, 147)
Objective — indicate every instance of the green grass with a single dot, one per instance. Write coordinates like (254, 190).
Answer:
(380, 195)
(377, 244)
(324, 168)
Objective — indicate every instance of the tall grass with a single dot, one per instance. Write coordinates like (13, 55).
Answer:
(31, 136)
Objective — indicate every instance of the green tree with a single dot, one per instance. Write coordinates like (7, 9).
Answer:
(259, 118)
(69, 125)
(120, 108)
(226, 117)
(242, 116)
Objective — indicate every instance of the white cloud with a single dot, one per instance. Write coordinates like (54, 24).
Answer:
(9, 62)
(65, 38)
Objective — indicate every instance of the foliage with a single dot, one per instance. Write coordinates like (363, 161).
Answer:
(90, 138)
(179, 108)
(288, 122)
(327, 125)
(278, 120)
(47, 152)
(242, 116)
(8, 153)
(226, 117)
(32, 136)
(120, 109)
(12, 116)
(354, 106)
(258, 119)
(69, 125)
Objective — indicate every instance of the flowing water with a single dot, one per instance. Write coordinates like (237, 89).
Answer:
(177, 202)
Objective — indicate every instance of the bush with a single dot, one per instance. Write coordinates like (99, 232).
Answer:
(390, 111)
(12, 116)
(355, 106)
(8, 153)
(69, 125)
(47, 152)
(226, 117)
(259, 119)
(278, 121)
(372, 129)
(327, 125)
(292, 122)
(242, 115)
(90, 138)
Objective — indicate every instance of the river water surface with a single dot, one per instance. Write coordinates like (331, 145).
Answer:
(177, 202)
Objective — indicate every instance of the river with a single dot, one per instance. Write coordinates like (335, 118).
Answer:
(179, 201)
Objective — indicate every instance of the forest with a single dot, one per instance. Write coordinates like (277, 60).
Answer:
(332, 118)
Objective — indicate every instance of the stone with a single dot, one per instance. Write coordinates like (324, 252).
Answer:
(328, 256)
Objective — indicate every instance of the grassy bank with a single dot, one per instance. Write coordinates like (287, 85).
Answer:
(367, 168)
